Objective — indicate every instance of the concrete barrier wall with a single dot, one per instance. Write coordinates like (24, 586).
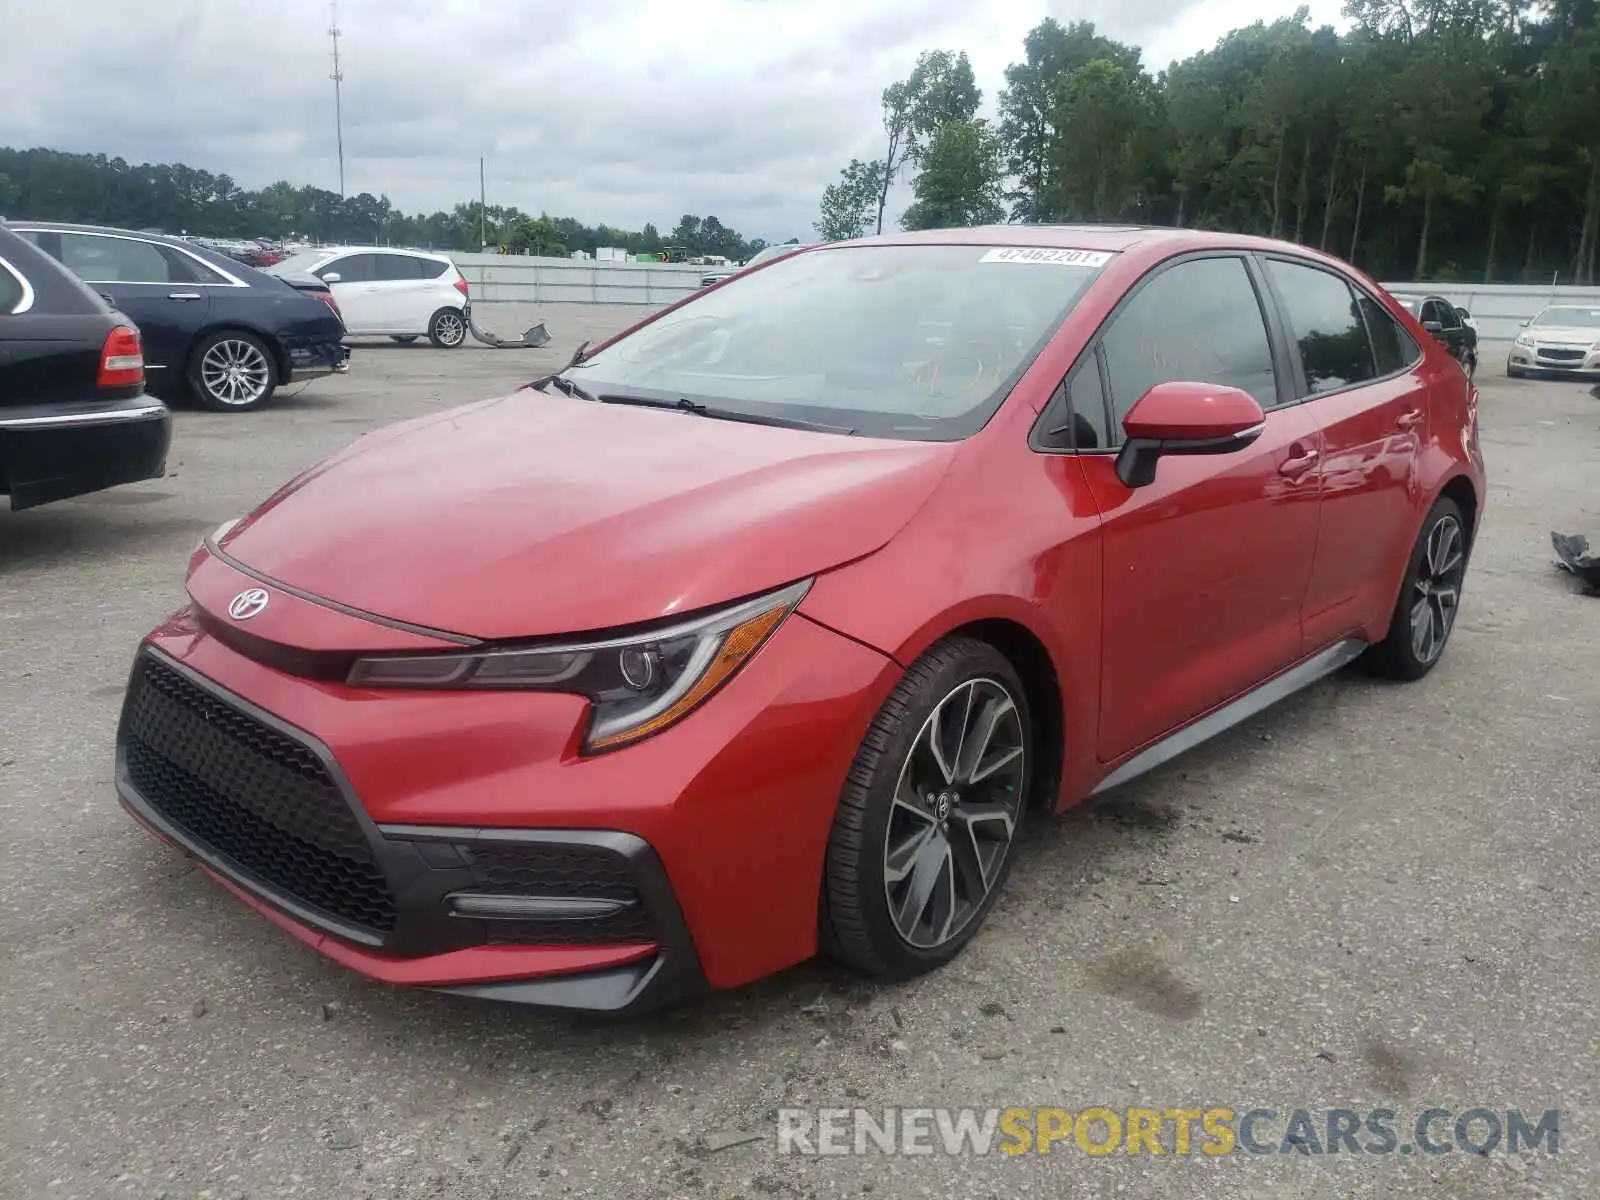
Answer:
(520, 279)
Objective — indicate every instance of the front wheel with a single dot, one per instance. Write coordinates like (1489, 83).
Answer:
(1425, 613)
(922, 835)
(232, 371)
(447, 329)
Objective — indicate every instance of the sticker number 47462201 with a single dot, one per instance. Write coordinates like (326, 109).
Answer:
(1046, 254)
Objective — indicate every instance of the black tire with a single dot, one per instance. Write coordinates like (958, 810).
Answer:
(1515, 372)
(405, 339)
(447, 328)
(857, 923)
(232, 371)
(1404, 653)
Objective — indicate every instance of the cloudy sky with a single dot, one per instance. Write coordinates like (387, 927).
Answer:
(623, 111)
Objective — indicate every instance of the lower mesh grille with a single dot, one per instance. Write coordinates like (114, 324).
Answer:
(254, 796)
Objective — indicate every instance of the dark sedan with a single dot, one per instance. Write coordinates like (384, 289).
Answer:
(228, 334)
(1450, 325)
(74, 417)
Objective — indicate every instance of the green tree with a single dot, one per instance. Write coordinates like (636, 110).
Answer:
(847, 204)
(1101, 162)
(959, 183)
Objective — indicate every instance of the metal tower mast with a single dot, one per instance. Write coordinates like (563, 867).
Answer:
(338, 78)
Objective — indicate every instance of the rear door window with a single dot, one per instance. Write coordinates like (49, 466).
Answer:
(393, 267)
(1325, 326)
(1197, 321)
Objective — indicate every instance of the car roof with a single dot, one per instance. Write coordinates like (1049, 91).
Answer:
(78, 227)
(1163, 239)
(374, 250)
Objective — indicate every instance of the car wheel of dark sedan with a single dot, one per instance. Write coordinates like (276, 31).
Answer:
(405, 339)
(232, 371)
(1429, 598)
(447, 329)
(922, 837)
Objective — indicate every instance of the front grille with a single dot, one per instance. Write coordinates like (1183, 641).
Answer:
(1555, 355)
(252, 795)
(556, 870)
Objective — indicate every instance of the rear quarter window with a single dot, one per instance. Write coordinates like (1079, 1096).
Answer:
(11, 290)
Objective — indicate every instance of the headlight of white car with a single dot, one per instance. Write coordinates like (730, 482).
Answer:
(1525, 340)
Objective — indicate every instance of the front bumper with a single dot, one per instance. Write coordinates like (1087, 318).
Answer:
(54, 452)
(358, 820)
(1570, 361)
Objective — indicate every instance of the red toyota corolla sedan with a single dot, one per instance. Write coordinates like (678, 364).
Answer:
(755, 631)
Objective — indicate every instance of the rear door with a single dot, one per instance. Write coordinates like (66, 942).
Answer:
(352, 278)
(1205, 568)
(401, 296)
(1364, 384)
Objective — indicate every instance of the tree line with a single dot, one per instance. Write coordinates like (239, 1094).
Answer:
(174, 198)
(1438, 139)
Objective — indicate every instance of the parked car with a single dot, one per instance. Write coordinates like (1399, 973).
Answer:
(1564, 339)
(1450, 324)
(225, 333)
(755, 260)
(404, 294)
(755, 631)
(74, 416)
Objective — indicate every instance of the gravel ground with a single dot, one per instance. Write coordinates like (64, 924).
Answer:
(1371, 896)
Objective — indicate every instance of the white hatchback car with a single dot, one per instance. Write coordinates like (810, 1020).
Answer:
(404, 294)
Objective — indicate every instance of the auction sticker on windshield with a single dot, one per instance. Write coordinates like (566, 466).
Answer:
(1044, 254)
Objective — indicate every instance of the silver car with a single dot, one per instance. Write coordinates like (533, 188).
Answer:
(1563, 339)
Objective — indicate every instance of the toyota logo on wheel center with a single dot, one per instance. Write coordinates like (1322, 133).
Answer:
(248, 603)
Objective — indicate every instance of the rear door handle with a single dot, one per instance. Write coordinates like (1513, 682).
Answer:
(1299, 464)
(1409, 419)
(183, 295)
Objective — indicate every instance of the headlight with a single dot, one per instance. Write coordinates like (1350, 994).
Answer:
(1525, 340)
(636, 685)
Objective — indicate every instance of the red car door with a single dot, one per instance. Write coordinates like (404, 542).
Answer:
(1364, 379)
(1206, 567)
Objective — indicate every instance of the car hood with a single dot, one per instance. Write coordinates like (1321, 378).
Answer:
(1564, 335)
(536, 514)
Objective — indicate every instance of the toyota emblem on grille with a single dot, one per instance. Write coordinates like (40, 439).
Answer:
(248, 603)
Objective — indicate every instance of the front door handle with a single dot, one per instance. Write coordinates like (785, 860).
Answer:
(1409, 419)
(183, 295)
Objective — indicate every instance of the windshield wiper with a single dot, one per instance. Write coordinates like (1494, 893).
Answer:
(726, 414)
(562, 384)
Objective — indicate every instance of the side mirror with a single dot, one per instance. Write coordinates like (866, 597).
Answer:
(1433, 326)
(1185, 418)
(332, 277)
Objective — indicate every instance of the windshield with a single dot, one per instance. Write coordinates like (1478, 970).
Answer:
(1583, 318)
(302, 262)
(916, 342)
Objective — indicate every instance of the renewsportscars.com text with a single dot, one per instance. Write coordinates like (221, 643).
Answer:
(1098, 1131)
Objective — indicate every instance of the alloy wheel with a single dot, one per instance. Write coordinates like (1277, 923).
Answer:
(449, 328)
(955, 810)
(1437, 592)
(235, 372)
